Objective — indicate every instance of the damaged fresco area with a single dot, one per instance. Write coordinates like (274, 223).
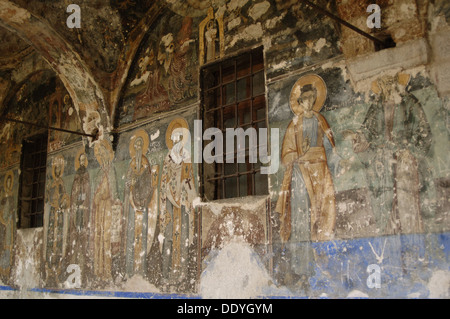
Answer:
(159, 186)
(386, 156)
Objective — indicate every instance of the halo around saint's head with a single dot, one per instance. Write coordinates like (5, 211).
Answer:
(102, 149)
(139, 134)
(179, 122)
(316, 82)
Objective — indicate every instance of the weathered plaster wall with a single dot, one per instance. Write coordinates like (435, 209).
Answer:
(124, 242)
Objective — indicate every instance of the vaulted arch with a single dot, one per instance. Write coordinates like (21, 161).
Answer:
(84, 90)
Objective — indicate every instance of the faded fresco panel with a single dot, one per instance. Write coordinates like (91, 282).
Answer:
(8, 214)
(388, 155)
(165, 73)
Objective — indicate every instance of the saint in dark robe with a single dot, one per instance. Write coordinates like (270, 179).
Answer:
(79, 251)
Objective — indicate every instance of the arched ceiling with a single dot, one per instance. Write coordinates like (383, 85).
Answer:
(92, 61)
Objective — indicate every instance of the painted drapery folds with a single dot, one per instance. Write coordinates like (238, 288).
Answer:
(56, 222)
(307, 201)
(166, 74)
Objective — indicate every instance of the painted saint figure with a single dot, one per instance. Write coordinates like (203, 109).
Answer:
(138, 193)
(56, 221)
(211, 37)
(80, 206)
(307, 200)
(391, 142)
(177, 192)
(106, 217)
(7, 218)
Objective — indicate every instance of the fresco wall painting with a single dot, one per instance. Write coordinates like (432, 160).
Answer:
(360, 182)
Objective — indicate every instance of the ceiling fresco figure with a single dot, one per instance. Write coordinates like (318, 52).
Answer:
(307, 199)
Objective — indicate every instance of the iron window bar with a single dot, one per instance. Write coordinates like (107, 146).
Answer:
(94, 136)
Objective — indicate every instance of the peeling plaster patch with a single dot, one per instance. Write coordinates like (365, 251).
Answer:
(365, 85)
(26, 266)
(258, 10)
(236, 272)
(234, 4)
(439, 284)
(251, 32)
(267, 43)
(414, 295)
(408, 10)
(155, 135)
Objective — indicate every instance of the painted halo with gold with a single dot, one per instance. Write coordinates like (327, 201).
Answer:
(142, 134)
(77, 159)
(317, 82)
(179, 122)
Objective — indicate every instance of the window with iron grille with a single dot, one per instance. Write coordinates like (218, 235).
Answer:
(233, 96)
(32, 181)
